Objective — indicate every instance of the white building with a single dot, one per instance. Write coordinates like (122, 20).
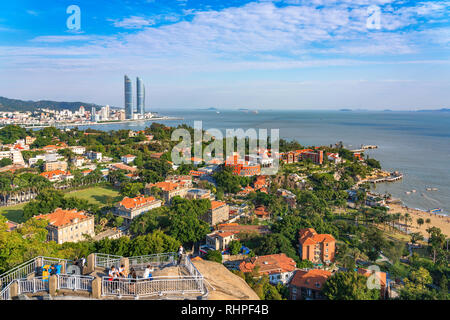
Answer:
(78, 150)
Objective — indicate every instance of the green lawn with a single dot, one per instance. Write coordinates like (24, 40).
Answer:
(13, 213)
(96, 195)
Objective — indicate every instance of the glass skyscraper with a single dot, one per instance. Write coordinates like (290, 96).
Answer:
(128, 98)
(140, 96)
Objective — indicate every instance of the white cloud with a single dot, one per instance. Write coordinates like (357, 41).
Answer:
(133, 22)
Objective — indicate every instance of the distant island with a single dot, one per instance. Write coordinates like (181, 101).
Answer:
(11, 105)
(437, 110)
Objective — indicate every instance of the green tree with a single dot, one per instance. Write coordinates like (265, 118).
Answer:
(5, 162)
(349, 286)
(214, 255)
(234, 247)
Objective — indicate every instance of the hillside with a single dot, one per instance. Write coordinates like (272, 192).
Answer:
(228, 286)
(7, 104)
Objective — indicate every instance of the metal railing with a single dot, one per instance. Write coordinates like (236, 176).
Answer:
(75, 282)
(193, 271)
(26, 269)
(107, 260)
(21, 271)
(152, 287)
(34, 285)
(5, 294)
(155, 260)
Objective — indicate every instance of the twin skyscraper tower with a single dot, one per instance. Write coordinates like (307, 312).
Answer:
(140, 99)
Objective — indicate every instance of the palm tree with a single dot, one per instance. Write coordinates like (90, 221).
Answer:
(407, 218)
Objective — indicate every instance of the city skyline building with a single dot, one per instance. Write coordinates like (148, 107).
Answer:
(140, 96)
(128, 98)
(93, 114)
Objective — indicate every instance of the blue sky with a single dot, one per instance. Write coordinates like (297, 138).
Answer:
(290, 54)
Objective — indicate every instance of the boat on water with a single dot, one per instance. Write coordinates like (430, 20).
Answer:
(408, 192)
(434, 189)
(413, 191)
(428, 189)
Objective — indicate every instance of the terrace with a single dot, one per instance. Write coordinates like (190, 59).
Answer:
(169, 279)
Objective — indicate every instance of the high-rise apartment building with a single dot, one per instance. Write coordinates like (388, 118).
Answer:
(140, 96)
(128, 98)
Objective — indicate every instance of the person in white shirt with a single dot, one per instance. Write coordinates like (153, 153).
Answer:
(148, 272)
(180, 254)
(112, 273)
(122, 272)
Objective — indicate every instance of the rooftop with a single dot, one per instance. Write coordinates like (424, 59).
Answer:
(312, 279)
(61, 217)
(274, 263)
(130, 203)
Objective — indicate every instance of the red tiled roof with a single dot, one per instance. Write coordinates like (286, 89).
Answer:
(50, 174)
(130, 203)
(261, 211)
(222, 234)
(216, 204)
(124, 167)
(274, 263)
(61, 217)
(166, 185)
(381, 275)
(309, 236)
(312, 279)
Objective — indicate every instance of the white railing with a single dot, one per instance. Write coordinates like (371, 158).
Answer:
(107, 260)
(5, 294)
(21, 271)
(151, 287)
(193, 271)
(34, 285)
(75, 282)
(155, 260)
(49, 260)
(27, 268)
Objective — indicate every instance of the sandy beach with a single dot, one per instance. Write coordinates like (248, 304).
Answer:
(442, 222)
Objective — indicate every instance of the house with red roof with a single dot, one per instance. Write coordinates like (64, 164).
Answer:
(279, 267)
(219, 212)
(68, 225)
(130, 208)
(219, 240)
(317, 248)
(262, 213)
(169, 189)
(379, 278)
(308, 284)
(57, 175)
(127, 159)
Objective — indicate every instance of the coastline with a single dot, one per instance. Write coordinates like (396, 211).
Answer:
(436, 220)
(80, 124)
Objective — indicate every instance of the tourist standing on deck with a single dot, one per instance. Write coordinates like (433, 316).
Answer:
(180, 254)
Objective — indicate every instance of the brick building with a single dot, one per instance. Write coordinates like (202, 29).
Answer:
(317, 248)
